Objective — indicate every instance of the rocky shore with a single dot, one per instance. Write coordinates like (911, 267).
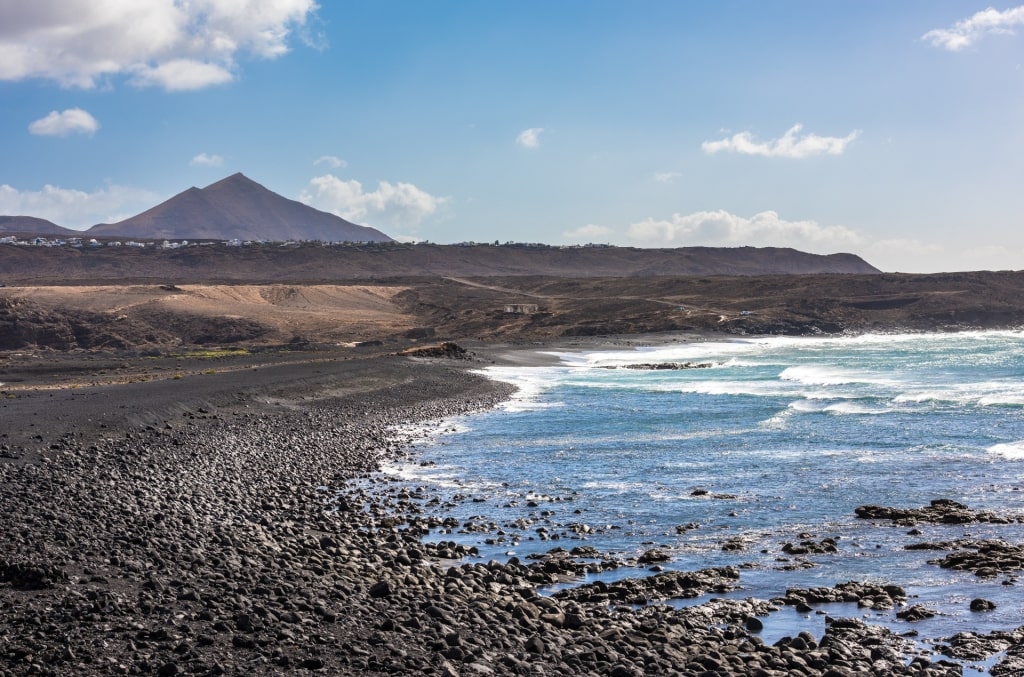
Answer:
(242, 539)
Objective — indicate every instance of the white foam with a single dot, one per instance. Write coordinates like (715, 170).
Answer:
(809, 374)
(717, 387)
(446, 477)
(614, 487)
(856, 408)
(1012, 451)
(808, 406)
(790, 367)
(718, 351)
(777, 422)
(1002, 400)
(985, 393)
(746, 351)
(428, 474)
(531, 384)
(926, 396)
(843, 407)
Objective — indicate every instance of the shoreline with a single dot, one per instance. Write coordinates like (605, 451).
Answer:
(538, 353)
(204, 544)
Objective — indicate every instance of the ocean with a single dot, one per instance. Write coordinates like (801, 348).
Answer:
(778, 441)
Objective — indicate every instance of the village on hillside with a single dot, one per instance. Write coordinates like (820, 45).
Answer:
(81, 242)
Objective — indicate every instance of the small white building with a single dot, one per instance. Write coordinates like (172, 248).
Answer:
(521, 308)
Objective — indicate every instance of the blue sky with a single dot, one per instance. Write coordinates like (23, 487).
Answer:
(891, 130)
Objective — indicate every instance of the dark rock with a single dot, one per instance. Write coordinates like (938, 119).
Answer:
(652, 556)
(380, 589)
(918, 612)
(659, 366)
(940, 511)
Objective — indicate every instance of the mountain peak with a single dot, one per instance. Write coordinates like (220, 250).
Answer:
(238, 178)
(236, 207)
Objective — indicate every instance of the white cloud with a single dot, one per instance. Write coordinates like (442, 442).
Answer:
(530, 138)
(181, 75)
(331, 161)
(587, 233)
(765, 229)
(916, 256)
(173, 44)
(790, 145)
(69, 121)
(906, 255)
(666, 177)
(204, 160)
(966, 32)
(76, 208)
(398, 204)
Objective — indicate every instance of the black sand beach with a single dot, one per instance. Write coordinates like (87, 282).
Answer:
(221, 524)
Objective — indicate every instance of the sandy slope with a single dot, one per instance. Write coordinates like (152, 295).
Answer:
(327, 312)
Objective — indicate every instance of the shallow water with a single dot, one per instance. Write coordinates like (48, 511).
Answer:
(786, 435)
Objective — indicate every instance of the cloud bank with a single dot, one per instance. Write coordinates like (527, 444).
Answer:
(721, 228)
(968, 31)
(70, 121)
(666, 177)
(398, 205)
(790, 145)
(530, 138)
(76, 208)
(171, 44)
(204, 160)
(332, 161)
(588, 233)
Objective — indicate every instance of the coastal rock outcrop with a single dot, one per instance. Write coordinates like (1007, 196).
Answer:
(939, 511)
(985, 558)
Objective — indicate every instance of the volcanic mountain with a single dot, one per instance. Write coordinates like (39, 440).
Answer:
(34, 226)
(237, 207)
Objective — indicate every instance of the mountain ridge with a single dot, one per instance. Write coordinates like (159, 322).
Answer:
(307, 263)
(33, 225)
(236, 207)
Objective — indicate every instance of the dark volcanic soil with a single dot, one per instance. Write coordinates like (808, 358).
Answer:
(402, 311)
(782, 304)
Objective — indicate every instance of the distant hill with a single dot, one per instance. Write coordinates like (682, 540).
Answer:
(236, 207)
(30, 225)
(314, 263)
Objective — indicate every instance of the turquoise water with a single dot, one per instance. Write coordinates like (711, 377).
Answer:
(786, 435)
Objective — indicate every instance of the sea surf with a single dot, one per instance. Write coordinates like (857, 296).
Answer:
(778, 441)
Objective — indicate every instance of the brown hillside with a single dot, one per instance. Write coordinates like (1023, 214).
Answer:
(30, 225)
(492, 309)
